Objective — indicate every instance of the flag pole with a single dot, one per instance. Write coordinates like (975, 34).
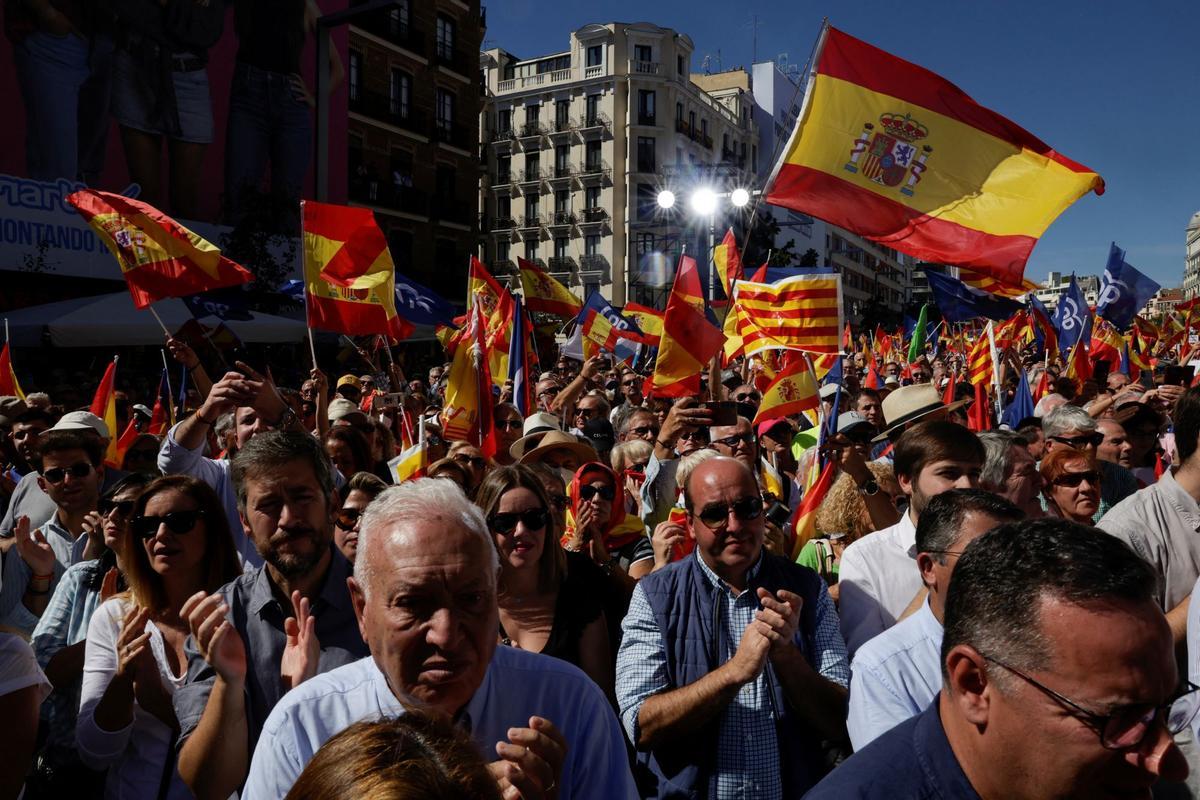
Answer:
(6, 341)
(170, 391)
(149, 308)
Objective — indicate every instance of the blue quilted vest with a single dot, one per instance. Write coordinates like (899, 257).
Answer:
(684, 603)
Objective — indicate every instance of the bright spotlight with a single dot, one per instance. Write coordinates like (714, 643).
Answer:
(739, 198)
(666, 198)
(704, 202)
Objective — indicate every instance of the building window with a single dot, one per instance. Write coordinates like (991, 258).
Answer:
(647, 202)
(504, 121)
(355, 80)
(400, 243)
(533, 166)
(504, 207)
(724, 144)
(502, 250)
(532, 112)
(445, 110)
(503, 169)
(398, 20)
(593, 108)
(532, 202)
(402, 169)
(679, 111)
(703, 127)
(562, 155)
(562, 201)
(444, 183)
(445, 37)
(562, 113)
(592, 155)
(400, 93)
(561, 244)
(645, 154)
(595, 55)
(591, 197)
(591, 244)
(641, 52)
(679, 64)
(643, 243)
(531, 248)
(691, 121)
(646, 107)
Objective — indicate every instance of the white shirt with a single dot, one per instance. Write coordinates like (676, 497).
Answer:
(895, 676)
(136, 754)
(878, 579)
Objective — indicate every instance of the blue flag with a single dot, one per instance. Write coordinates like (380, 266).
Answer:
(961, 303)
(293, 289)
(834, 375)
(1072, 318)
(223, 305)
(421, 305)
(623, 349)
(518, 370)
(1021, 405)
(1037, 308)
(1124, 290)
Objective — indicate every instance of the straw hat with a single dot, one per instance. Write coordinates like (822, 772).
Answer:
(909, 404)
(557, 440)
(536, 426)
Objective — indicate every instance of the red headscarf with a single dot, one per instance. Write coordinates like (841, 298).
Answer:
(621, 528)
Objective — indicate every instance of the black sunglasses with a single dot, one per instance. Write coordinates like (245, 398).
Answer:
(695, 435)
(1073, 479)
(717, 514)
(509, 424)
(347, 518)
(176, 522)
(475, 461)
(587, 492)
(533, 519)
(1080, 442)
(57, 475)
(123, 507)
(732, 441)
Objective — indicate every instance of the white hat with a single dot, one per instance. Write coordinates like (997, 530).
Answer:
(829, 390)
(341, 408)
(536, 426)
(82, 421)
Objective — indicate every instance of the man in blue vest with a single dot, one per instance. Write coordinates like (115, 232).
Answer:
(732, 670)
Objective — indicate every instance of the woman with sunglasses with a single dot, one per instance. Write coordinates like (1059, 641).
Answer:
(361, 489)
(597, 526)
(629, 460)
(509, 425)
(61, 633)
(1071, 487)
(134, 660)
(550, 601)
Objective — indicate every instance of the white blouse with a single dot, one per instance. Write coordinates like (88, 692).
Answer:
(134, 755)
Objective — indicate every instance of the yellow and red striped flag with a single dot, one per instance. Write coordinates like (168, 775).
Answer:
(349, 277)
(793, 391)
(728, 262)
(804, 521)
(9, 387)
(979, 362)
(104, 406)
(158, 257)
(689, 341)
(992, 285)
(544, 294)
(901, 156)
(803, 312)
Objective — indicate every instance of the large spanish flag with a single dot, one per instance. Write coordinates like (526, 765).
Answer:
(803, 312)
(159, 257)
(544, 294)
(350, 283)
(986, 283)
(793, 391)
(901, 156)
(689, 340)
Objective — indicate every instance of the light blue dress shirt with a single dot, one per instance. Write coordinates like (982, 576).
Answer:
(68, 550)
(895, 676)
(517, 685)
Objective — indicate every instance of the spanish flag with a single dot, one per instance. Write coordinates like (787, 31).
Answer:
(649, 320)
(804, 521)
(689, 340)
(9, 387)
(986, 283)
(482, 286)
(903, 157)
(159, 257)
(1107, 342)
(162, 417)
(544, 294)
(803, 312)
(728, 261)
(467, 411)
(793, 391)
(104, 406)
(350, 284)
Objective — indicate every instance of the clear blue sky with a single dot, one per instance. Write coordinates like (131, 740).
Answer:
(1111, 85)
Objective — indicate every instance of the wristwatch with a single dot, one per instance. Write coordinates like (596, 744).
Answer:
(868, 488)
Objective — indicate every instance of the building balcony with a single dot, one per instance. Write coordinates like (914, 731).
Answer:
(532, 222)
(706, 140)
(387, 25)
(561, 127)
(530, 175)
(504, 136)
(647, 166)
(594, 170)
(596, 71)
(382, 107)
(561, 173)
(450, 59)
(644, 67)
(562, 219)
(682, 126)
(594, 123)
(531, 130)
(533, 81)
(502, 179)
(503, 224)
(561, 265)
(646, 119)
(593, 216)
(387, 195)
(450, 134)
(595, 264)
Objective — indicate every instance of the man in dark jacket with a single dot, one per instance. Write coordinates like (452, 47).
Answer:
(732, 670)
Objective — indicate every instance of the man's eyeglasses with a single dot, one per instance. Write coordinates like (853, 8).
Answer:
(695, 435)
(643, 430)
(1081, 442)
(589, 413)
(549, 391)
(123, 507)
(477, 462)
(176, 522)
(509, 424)
(1073, 479)
(57, 475)
(732, 441)
(533, 519)
(1126, 727)
(587, 492)
(745, 509)
(746, 398)
(347, 518)
(629, 383)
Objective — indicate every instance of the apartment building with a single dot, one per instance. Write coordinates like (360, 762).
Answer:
(1191, 269)
(413, 145)
(578, 145)
(1057, 283)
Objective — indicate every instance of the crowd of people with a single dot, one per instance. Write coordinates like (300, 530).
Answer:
(618, 602)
